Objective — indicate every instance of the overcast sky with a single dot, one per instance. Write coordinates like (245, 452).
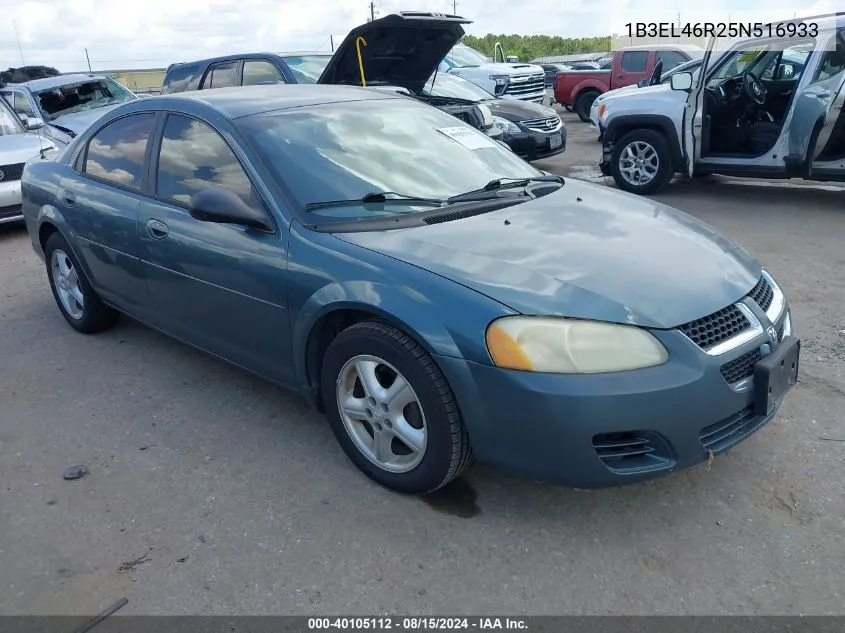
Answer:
(123, 34)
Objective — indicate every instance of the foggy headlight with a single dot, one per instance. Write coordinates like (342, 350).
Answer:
(571, 346)
(508, 127)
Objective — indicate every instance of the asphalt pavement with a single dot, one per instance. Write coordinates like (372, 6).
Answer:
(212, 492)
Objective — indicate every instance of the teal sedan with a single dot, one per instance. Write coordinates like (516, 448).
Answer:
(439, 298)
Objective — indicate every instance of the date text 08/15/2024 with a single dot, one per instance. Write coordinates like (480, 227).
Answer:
(722, 29)
(416, 623)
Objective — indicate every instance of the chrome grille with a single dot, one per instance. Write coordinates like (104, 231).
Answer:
(11, 172)
(549, 124)
(526, 85)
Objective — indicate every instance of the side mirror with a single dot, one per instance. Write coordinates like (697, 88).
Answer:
(786, 72)
(642, 83)
(681, 81)
(225, 206)
(33, 123)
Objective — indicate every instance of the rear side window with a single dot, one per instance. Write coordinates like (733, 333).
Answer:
(116, 153)
(177, 79)
(194, 157)
(260, 71)
(635, 61)
(670, 59)
(223, 75)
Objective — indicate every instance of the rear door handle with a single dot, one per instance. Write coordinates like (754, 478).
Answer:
(156, 229)
(68, 197)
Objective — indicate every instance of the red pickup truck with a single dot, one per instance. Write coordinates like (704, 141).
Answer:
(576, 89)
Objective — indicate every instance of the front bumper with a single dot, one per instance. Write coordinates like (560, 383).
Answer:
(572, 430)
(10, 201)
(534, 145)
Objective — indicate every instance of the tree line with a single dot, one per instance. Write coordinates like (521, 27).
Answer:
(528, 47)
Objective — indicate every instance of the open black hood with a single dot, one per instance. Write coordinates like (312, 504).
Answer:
(403, 49)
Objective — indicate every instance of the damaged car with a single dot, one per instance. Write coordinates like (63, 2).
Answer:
(63, 106)
(766, 107)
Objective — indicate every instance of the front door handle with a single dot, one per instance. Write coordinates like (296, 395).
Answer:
(68, 197)
(157, 229)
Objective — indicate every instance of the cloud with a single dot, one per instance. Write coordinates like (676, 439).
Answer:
(156, 33)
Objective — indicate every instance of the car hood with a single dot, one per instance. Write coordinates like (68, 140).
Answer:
(505, 68)
(516, 110)
(585, 251)
(78, 122)
(401, 50)
(19, 148)
(629, 91)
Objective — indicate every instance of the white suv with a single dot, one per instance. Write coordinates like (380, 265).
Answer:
(765, 108)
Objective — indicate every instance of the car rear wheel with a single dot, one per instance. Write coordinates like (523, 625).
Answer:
(641, 162)
(391, 409)
(584, 103)
(79, 304)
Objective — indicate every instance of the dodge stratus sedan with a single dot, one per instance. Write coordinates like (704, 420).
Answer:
(438, 297)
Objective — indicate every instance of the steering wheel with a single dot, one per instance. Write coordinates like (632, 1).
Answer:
(754, 88)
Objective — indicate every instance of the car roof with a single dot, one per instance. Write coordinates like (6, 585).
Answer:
(56, 82)
(241, 101)
(663, 47)
(306, 54)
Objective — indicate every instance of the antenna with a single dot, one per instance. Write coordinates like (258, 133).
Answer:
(88, 59)
(18, 38)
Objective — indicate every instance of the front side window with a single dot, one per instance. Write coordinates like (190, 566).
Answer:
(194, 157)
(260, 71)
(116, 153)
(22, 104)
(634, 61)
(307, 68)
(81, 96)
(344, 151)
(670, 59)
(832, 62)
(224, 75)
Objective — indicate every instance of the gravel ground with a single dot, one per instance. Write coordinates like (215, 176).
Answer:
(212, 492)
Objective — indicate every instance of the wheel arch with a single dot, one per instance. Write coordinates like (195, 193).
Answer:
(619, 127)
(338, 306)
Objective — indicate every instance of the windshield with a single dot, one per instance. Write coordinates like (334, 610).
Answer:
(461, 56)
(9, 122)
(738, 63)
(343, 151)
(81, 96)
(454, 87)
(307, 68)
(693, 68)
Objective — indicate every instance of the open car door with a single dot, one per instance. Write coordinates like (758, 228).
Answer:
(694, 111)
(830, 92)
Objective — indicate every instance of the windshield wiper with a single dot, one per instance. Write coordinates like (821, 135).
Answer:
(491, 188)
(66, 130)
(378, 197)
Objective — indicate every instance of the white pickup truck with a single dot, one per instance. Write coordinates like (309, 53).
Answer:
(525, 82)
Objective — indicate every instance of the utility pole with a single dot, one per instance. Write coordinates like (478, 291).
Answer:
(88, 59)
(454, 7)
(331, 41)
(372, 10)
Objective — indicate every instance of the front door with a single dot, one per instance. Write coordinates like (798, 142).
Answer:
(100, 199)
(694, 112)
(220, 287)
(827, 88)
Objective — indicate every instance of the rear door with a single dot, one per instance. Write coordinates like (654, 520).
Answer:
(100, 199)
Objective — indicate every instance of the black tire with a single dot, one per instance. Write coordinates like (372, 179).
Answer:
(96, 316)
(665, 170)
(584, 103)
(448, 452)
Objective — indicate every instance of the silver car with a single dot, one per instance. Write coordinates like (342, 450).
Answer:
(767, 107)
(17, 146)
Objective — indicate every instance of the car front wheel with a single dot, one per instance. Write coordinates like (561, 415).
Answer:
(79, 304)
(392, 410)
(641, 162)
